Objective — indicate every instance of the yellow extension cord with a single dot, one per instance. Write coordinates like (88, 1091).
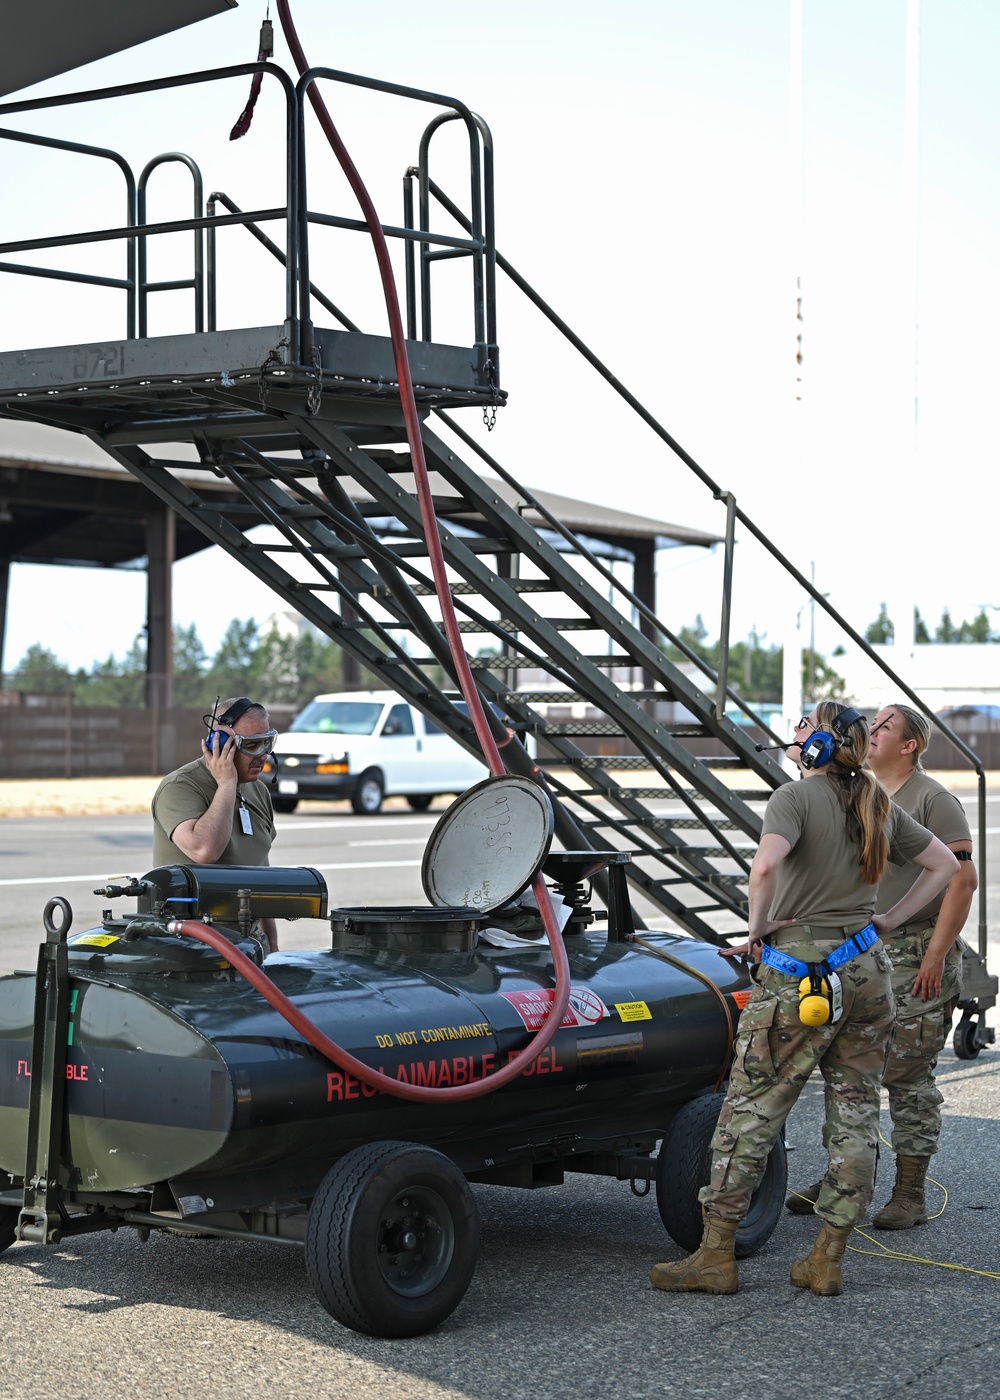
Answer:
(884, 1252)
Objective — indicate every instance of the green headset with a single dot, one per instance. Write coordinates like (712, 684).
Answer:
(822, 744)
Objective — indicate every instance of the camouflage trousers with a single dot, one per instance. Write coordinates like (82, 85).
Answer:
(774, 1056)
(917, 1039)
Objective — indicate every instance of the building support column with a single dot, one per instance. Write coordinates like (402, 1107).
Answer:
(4, 591)
(160, 551)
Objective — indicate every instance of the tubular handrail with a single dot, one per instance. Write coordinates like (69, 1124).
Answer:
(295, 258)
(484, 267)
(197, 283)
(100, 153)
(289, 213)
(218, 197)
(458, 110)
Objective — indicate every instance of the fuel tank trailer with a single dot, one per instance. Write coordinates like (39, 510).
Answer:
(157, 1073)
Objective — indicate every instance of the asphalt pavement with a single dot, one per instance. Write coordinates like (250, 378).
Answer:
(560, 1305)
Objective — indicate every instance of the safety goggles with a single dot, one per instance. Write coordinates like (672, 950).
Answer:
(254, 745)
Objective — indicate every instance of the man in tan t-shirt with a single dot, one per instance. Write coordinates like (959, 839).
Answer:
(213, 810)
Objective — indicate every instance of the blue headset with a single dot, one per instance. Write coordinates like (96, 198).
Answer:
(822, 744)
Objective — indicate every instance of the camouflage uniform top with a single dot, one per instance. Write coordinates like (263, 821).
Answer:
(940, 811)
(819, 881)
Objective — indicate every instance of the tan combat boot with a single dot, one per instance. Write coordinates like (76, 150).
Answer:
(802, 1202)
(821, 1270)
(710, 1269)
(906, 1207)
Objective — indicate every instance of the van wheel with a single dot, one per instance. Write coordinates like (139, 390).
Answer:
(284, 804)
(366, 798)
(392, 1239)
(682, 1169)
(420, 801)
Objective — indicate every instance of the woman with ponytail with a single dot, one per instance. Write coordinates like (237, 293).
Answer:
(926, 960)
(822, 998)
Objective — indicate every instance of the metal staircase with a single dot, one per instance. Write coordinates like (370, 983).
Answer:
(348, 554)
(304, 422)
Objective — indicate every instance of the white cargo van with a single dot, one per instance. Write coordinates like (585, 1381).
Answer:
(363, 745)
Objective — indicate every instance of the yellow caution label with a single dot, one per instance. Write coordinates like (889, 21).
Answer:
(633, 1011)
(95, 940)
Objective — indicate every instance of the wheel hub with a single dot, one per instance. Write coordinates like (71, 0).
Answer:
(416, 1241)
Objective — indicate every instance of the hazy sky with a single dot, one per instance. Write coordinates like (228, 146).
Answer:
(645, 186)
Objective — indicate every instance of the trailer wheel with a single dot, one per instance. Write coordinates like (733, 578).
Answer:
(964, 1041)
(366, 799)
(682, 1169)
(392, 1239)
(8, 1226)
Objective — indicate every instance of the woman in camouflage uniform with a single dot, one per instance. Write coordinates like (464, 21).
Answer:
(926, 958)
(825, 845)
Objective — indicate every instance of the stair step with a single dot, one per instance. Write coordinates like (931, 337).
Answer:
(562, 624)
(595, 729)
(525, 663)
(711, 878)
(685, 824)
(573, 697)
(516, 585)
(716, 852)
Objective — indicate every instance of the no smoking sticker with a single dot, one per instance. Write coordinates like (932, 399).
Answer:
(583, 1010)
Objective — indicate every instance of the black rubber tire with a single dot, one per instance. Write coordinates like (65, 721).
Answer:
(8, 1226)
(682, 1169)
(284, 804)
(364, 1270)
(964, 1039)
(420, 801)
(366, 799)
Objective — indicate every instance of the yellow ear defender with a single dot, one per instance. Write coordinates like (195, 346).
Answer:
(814, 1001)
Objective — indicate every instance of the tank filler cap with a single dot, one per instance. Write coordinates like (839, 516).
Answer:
(489, 845)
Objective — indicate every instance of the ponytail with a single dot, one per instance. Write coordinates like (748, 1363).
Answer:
(864, 799)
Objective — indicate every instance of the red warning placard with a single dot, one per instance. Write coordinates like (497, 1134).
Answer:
(583, 1010)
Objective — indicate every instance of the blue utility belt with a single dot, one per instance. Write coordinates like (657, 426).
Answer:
(858, 942)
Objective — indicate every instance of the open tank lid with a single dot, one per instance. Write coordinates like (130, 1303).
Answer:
(489, 845)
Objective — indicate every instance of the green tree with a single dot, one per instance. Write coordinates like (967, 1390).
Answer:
(232, 665)
(946, 630)
(113, 682)
(826, 683)
(755, 670)
(977, 631)
(881, 631)
(920, 632)
(273, 671)
(40, 670)
(320, 665)
(190, 664)
(696, 638)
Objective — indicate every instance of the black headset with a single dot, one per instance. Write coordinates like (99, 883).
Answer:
(237, 708)
(823, 744)
(232, 714)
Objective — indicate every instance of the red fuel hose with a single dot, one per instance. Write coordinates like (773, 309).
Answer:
(377, 1079)
(463, 671)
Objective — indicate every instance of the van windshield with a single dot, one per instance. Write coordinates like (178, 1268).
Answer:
(337, 717)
